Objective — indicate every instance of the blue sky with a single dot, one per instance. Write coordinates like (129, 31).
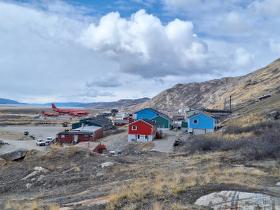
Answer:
(103, 50)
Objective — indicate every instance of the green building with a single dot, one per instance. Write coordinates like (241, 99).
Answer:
(162, 122)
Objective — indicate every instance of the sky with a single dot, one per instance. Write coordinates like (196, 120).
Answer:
(105, 50)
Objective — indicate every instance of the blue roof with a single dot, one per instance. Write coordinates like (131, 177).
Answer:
(155, 111)
(194, 115)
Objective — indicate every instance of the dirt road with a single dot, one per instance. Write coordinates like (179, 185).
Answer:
(166, 144)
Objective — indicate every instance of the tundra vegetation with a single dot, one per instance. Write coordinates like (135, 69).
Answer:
(244, 158)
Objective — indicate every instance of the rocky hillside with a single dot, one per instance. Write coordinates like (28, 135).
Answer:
(212, 94)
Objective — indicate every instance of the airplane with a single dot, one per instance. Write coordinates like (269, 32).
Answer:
(49, 114)
(72, 112)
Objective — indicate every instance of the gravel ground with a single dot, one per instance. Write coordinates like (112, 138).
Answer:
(166, 144)
(13, 134)
(37, 131)
(19, 144)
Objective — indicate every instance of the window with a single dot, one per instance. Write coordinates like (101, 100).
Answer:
(146, 137)
(134, 128)
(195, 121)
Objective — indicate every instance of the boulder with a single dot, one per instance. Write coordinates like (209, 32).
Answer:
(275, 115)
(41, 169)
(244, 200)
(37, 171)
(106, 164)
(15, 155)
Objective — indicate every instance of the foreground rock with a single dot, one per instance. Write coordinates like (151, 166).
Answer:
(37, 171)
(238, 200)
(15, 155)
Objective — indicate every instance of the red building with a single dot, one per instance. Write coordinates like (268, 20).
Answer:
(142, 131)
(86, 133)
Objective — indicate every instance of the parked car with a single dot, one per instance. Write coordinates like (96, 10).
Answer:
(49, 140)
(40, 142)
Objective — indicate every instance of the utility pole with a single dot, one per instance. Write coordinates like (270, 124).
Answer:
(230, 103)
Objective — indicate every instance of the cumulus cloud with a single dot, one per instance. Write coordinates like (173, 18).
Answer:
(143, 45)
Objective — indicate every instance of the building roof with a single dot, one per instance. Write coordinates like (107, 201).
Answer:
(87, 128)
(150, 122)
(72, 132)
(156, 111)
(196, 114)
(98, 121)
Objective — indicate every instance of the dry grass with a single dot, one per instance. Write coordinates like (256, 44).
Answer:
(28, 205)
(168, 183)
(246, 119)
(228, 137)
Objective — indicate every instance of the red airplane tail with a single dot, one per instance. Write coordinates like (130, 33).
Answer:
(53, 106)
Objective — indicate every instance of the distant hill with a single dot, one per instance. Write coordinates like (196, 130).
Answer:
(67, 104)
(123, 103)
(8, 101)
(212, 94)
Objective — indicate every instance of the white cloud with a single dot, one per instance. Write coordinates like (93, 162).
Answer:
(243, 58)
(143, 45)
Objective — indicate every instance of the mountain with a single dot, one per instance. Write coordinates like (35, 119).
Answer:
(67, 104)
(8, 101)
(123, 103)
(212, 94)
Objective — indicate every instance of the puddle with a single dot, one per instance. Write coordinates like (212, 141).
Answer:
(235, 200)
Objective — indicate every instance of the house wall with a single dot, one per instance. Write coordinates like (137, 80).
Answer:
(98, 134)
(142, 128)
(136, 138)
(203, 122)
(85, 137)
(196, 131)
(67, 138)
(162, 123)
(145, 114)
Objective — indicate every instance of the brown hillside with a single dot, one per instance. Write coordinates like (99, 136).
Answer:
(212, 94)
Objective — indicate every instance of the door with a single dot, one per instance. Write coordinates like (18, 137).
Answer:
(142, 138)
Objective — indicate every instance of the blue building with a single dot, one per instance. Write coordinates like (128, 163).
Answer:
(147, 113)
(162, 120)
(201, 123)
